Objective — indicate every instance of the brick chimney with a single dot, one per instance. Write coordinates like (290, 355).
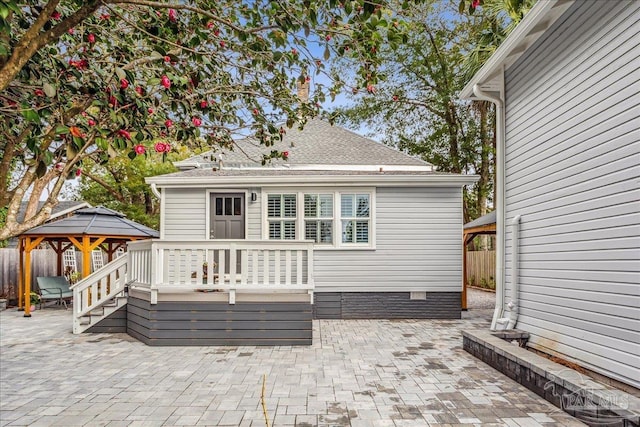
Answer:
(303, 91)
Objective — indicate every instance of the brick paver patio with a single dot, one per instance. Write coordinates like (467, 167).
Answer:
(357, 373)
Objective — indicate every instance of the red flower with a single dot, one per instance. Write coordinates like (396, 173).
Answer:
(139, 90)
(167, 58)
(475, 3)
(124, 134)
(56, 15)
(105, 16)
(282, 130)
(78, 172)
(203, 104)
(91, 122)
(307, 79)
(168, 123)
(285, 154)
(71, 31)
(150, 110)
(164, 81)
(327, 37)
(39, 92)
(196, 121)
(255, 112)
(371, 89)
(216, 32)
(124, 84)
(59, 167)
(395, 97)
(113, 102)
(91, 38)
(173, 15)
(222, 44)
(162, 147)
(139, 149)
(294, 52)
(210, 24)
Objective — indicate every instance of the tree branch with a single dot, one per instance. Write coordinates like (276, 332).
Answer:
(33, 40)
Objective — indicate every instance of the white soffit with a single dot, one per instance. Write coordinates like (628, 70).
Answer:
(541, 16)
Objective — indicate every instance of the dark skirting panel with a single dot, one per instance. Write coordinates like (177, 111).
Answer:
(115, 322)
(219, 323)
(386, 305)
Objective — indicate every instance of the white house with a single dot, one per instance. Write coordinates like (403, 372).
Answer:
(566, 85)
(344, 228)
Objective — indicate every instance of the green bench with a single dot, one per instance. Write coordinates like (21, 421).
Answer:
(54, 288)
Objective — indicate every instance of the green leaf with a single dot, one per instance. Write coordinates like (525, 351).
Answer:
(49, 90)
(153, 82)
(62, 130)
(120, 73)
(4, 11)
(327, 53)
(31, 115)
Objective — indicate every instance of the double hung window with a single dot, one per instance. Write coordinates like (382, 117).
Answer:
(282, 215)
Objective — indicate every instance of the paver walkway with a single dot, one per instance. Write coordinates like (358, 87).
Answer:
(357, 373)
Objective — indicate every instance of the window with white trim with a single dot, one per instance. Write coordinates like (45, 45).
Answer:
(318, 218)
(355, 218)
(330, 218)
(282, 216)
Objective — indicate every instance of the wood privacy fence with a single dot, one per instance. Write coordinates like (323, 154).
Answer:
(43, 263)
(481, 269)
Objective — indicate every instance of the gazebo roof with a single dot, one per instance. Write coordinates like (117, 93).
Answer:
(98, 221)
(487, 219)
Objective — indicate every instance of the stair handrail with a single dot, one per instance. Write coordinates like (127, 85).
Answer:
(88, 282)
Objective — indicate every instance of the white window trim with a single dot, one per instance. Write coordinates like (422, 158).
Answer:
(337, 219)
(281, 219)
(316, 218)
(207, 210)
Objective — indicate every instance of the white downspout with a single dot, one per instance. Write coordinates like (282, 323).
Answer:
(499, 202)
(515, 279)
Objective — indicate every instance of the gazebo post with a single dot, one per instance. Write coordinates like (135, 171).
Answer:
(29, 246)
(21, 274)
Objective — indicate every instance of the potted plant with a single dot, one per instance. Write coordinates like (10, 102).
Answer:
(34, 300)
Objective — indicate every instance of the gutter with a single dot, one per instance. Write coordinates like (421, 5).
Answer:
(500, 197)
(380, 180)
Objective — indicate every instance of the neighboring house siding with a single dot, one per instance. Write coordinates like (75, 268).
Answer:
(418, 246)
(572, 171)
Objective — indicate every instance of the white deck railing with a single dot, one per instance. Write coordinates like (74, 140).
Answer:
(226, 265)
(99, 287)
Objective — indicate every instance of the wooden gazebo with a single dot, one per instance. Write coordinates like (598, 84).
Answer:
(484, 225)
(86, 230)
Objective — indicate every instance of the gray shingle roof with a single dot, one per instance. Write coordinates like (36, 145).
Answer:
(62, 207)
(209, 172)
(319, 143)
(98, 221)
(487, 219)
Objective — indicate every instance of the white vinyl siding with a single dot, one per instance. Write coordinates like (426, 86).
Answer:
(572, 171)
(185, 216)
(418, 246)
(417, 233)
(180, 204)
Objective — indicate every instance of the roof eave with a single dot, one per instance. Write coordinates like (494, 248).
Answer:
(541, 16)
(314, 180)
